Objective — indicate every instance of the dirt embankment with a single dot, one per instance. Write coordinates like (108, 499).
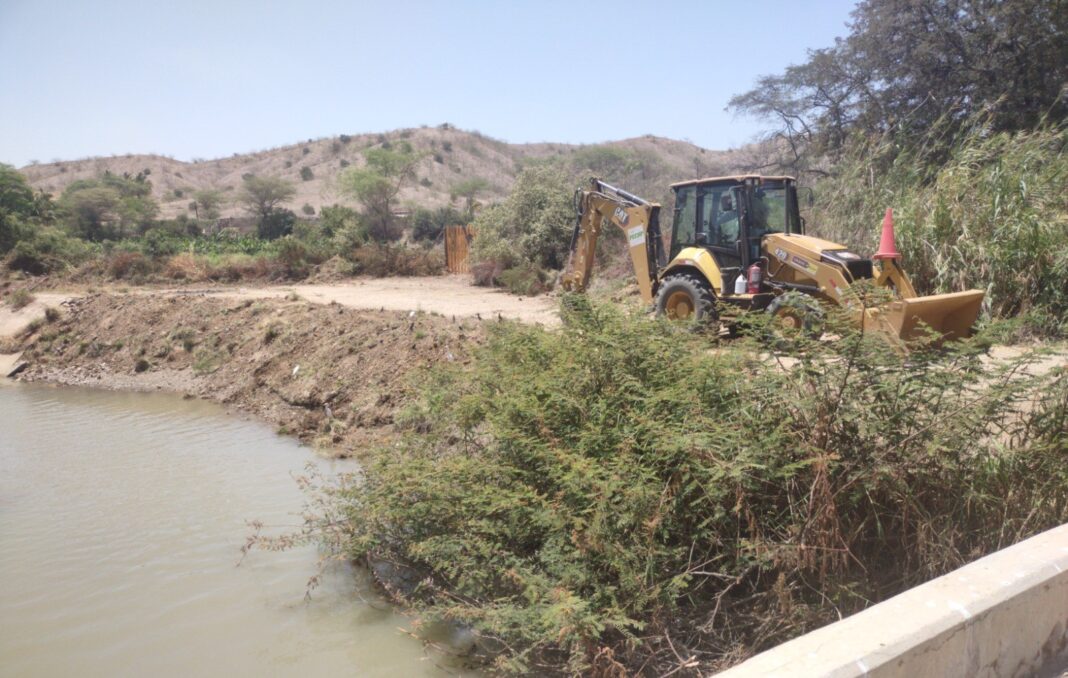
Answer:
(334, 376)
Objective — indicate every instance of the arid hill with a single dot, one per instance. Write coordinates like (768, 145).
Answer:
(450, 156)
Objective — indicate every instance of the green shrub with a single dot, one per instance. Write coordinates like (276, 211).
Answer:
(206, 361)
(308, 209)
(294, 257)
(235, 267)
(47, 250)
(20, 298)
(588, 498)
(306, 174)
(272, 331)
(158, 242)
(277, 224)
(186, 336)
(525, 280)
(533, 225)
(383, 260)
(122, 265)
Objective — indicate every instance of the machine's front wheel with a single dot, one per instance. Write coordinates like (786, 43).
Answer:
(686, 298)
(794, 315)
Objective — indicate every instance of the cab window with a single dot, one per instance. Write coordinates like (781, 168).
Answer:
(685, 225)
(772, 212)
(719, 216)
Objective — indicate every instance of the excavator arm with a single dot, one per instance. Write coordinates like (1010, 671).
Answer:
(639, 219)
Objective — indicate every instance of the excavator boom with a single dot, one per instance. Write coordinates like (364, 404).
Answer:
(639, 219)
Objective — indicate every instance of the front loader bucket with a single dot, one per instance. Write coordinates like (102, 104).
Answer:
(951, 315)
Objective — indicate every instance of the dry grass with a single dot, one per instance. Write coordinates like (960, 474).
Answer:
(20, 299)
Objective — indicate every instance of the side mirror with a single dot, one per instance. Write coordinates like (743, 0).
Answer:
(810, 196)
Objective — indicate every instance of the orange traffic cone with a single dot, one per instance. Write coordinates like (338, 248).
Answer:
(887, 248)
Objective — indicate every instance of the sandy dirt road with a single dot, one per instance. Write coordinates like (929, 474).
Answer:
(447, 295)
(12, 321)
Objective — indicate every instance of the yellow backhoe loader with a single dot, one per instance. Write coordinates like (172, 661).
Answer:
(740, 241)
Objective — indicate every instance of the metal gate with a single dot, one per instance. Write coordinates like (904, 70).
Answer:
(457, 247)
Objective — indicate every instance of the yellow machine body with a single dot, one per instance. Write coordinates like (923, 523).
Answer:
(819, 268)
(798, 259)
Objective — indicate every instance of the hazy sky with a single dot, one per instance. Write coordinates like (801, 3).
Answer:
(208, 79)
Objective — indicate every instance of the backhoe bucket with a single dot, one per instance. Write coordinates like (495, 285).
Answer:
(950, 315)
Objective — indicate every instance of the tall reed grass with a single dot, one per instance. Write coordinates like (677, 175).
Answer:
(976, 209)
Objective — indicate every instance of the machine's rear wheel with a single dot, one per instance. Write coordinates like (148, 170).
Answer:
(686, 298)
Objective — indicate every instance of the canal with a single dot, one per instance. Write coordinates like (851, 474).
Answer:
(121, 521)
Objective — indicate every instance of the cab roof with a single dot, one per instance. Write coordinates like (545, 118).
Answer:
(736, 179)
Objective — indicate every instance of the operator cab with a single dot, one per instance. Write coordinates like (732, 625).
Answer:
(728, 216)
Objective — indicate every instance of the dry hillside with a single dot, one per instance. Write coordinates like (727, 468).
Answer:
(450, 156)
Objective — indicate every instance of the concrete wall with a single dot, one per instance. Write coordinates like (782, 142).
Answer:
(1004, 615)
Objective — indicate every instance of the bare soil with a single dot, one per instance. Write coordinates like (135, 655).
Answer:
(334, 364)
(13, 321)
(329, 363)
(334, 376)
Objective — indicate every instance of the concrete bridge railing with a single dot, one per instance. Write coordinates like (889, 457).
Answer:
(1003, 615)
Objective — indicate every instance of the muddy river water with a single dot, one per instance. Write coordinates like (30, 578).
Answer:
(121, 520)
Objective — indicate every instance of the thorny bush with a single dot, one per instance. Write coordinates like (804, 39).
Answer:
(615, 497)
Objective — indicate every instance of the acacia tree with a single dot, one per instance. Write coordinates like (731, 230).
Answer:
(907, 64)
(91, 211)
(109, 206)
(377, 184)
(16, 204)
(206, 204)
(262, 198)
(469, 189)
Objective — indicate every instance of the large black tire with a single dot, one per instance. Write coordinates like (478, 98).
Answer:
(794, 315)
(687, 298)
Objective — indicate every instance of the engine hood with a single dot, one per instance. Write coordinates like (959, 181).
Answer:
(810, 243)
